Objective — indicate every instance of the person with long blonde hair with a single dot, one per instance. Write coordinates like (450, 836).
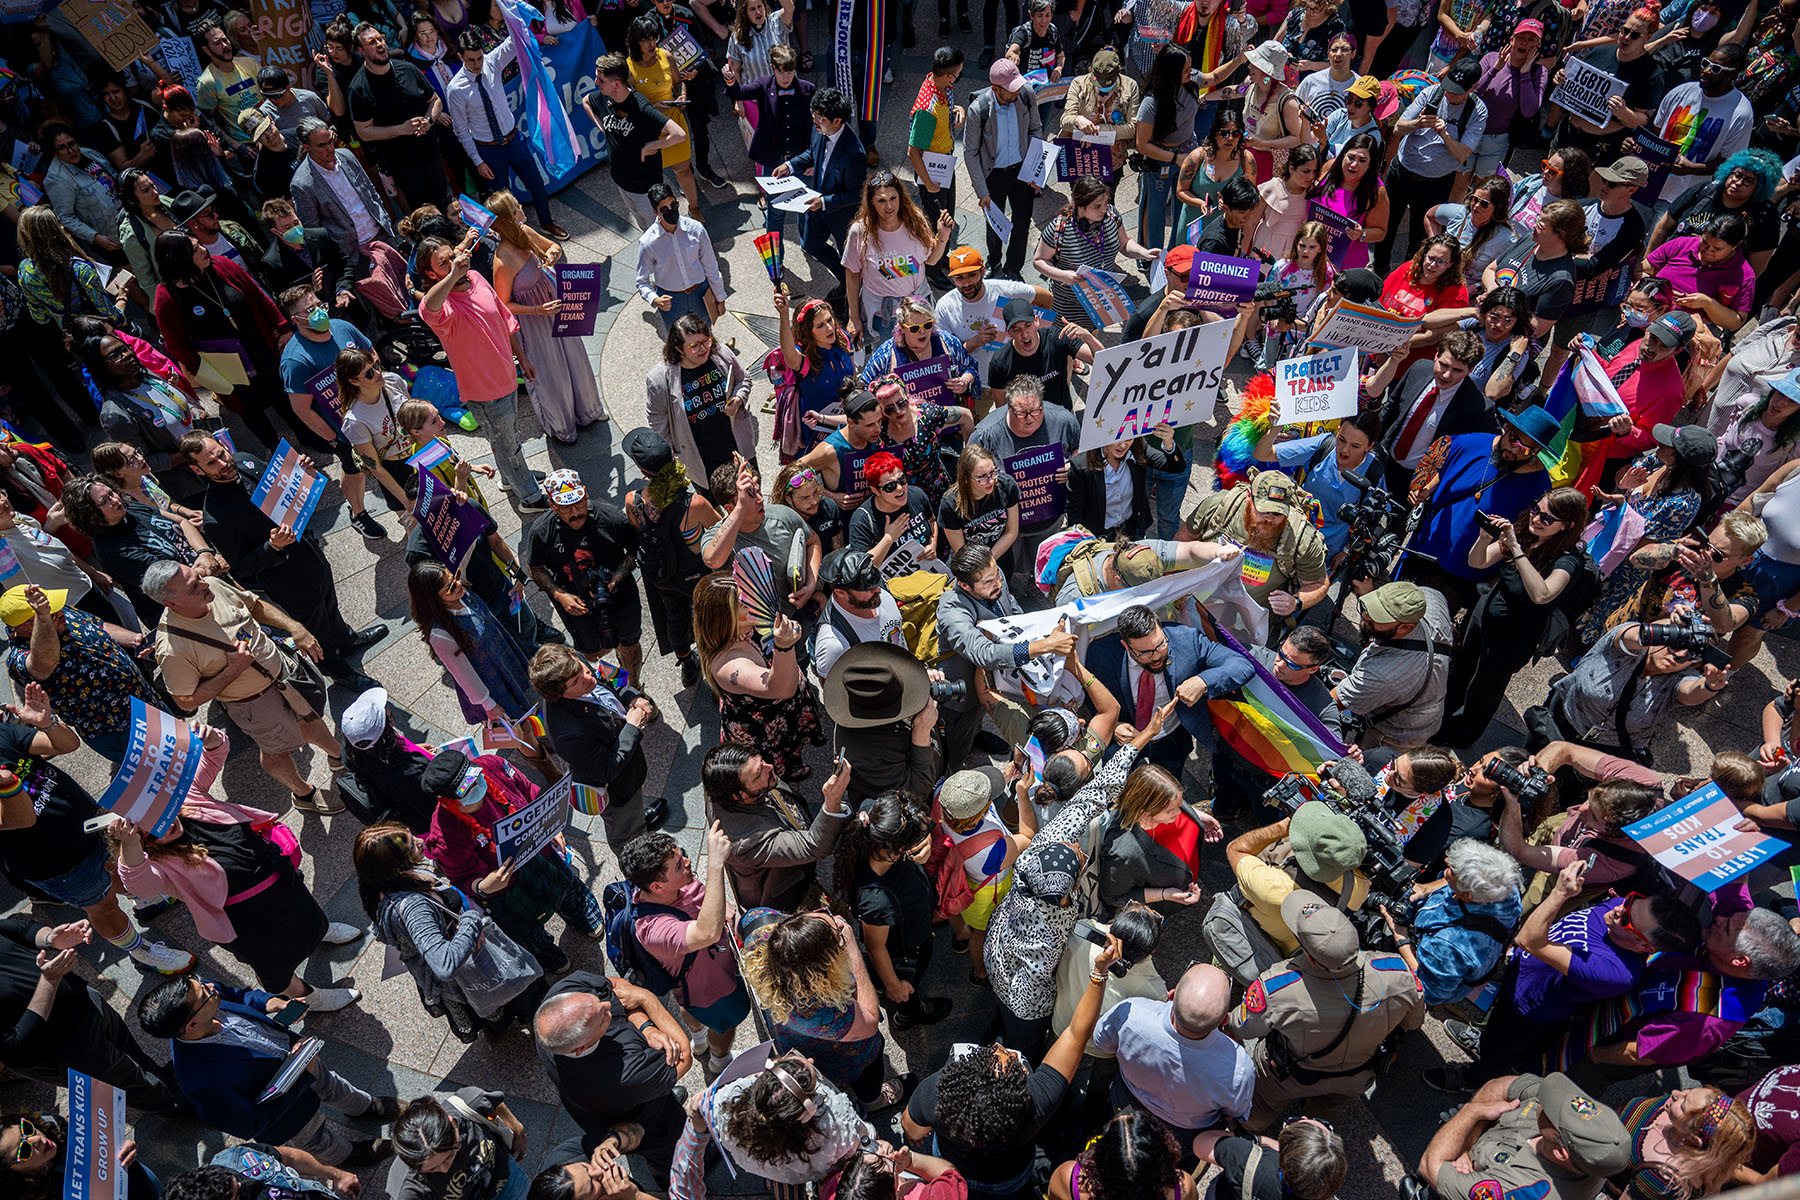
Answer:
(56, 275)
(1686, 1144)
(764, 700)
(565, 393)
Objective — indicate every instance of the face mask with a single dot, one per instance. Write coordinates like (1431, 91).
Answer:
(1704, 20)
(667, 214)
(1636, 319)
(318, 320)
(294, 236)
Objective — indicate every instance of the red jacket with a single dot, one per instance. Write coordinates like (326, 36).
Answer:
(172, 314)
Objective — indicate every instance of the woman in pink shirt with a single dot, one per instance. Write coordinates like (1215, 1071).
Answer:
(1711, 276)
(1650, 383)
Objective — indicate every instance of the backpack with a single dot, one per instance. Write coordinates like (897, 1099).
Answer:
(629, 958)
(1080, 560)
(1578, 595)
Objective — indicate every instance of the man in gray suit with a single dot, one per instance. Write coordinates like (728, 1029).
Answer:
(331, 191)
(978, 594)
(1002, 120)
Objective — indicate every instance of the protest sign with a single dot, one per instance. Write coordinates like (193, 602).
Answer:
(798, 201)
(1044, 91)
(1102, 296)
(1041, 498)
(1585, 91)
(1339, 225)
(325, 398)
(112, 27)
(1173, 377)
(522, 833)
(774, 186)
(578, 287)
(939, 168)
(451, 527)
(162, 756)
(1659, 154)
(682, 46)
(1220, 283)
(289, 489)
(1039, 156)
(1369, 327)
(501, 733)
(851, 484)
(998, 221)
(182, 59)
(1078, 157)
(284, 33)
(1317, 387)
(96, 1130)
(1698, 838)
(928, 380)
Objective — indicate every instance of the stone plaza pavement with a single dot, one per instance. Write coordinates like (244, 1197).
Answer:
(387, 1043)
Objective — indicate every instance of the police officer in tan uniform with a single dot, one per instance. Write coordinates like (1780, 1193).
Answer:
(1319, 1018)
(1524, 1137)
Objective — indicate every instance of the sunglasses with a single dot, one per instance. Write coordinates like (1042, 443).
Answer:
(1625, 914)
(27, 1131)
(896, 408)
(802, 477)
(1538, 514)
(892, 485)
(1718, 555)
(1631, 35)
(1480, 202)
(1550, 170)
(369, 373)
(921, 327)
(1291, 665)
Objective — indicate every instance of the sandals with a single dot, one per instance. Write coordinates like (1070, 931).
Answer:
(893, 1091)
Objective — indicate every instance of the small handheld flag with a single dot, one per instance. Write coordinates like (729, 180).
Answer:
(431, 455)
(475, 214)
(769, 246)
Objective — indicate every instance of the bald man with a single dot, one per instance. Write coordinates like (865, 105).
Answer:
(1174, 1062)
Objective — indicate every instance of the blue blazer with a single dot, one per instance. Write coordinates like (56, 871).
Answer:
(223, 1081)
(1191, 653)
(839, 180)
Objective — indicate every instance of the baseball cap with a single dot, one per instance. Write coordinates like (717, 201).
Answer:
(969, 792)
(1273, 493)
(1693, 444)
(649, 450)
(1789, 384)
(1325, 842)
(1395, 604)
(1672, 329)
(1461, 76)
(1138, 564)
(15, 610)
(1389, 103)
(964, 259)
(852, 570)
(1531, 27)
(1592, 1132)
(1018, 309)
(1322, 930)
(272, 81)
(1366, 87)
(366, 717)
(254, 121)
(564, 487)
(1105, 64)
(1630, 169)
(1005, 74)
(1180, 259)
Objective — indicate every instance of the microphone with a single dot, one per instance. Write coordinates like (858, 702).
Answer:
(1354, 480)
(1350, 775)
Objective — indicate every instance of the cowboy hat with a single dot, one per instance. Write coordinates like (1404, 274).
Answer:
(874, 684)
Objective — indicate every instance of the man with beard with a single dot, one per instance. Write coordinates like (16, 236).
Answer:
(1052, 360)
(581, 554)
(1284, 552)
(393, 106)
(970, 311)
(1395, 689)
(858, 609)
(1462, 480)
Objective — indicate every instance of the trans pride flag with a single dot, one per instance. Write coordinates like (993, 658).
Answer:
(1102, 297)
(1581, 388)
(541, 112)
(1269, 728)
(431, 455)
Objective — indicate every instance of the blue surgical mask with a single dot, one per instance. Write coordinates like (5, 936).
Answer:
(1636, 319)
(318, 320)
(294, 236)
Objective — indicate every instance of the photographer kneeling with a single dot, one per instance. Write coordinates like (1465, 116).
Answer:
(1620, 690)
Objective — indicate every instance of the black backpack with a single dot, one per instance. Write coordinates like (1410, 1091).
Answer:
(1577, 597)
(630, 960)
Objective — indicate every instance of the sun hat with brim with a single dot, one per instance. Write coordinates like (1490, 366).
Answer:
(1269, 57)
(1325, 842)
(969, 792)
(185, 206)
(1533, 423)
(1789, 384)
(874, 684)
(15, 610)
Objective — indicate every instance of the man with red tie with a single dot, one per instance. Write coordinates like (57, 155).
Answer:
(1433, 399)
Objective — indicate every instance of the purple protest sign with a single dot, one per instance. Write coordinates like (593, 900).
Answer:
(1041, 498)
(325, 398)
(1083, 158)
(1659, 154)
(451, 526)
(578, 287)
(852, 485)
(1339, 225)
(928, 380)
(1222, 283)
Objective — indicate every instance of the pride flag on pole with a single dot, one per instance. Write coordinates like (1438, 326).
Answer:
(1269, 728)
(475, 214)
(541, 112)
(1102, 297)
(161, 759)
(9, 565)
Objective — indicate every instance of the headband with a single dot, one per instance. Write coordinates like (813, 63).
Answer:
(1068, 726)
(790, 1085)
(807, 309)
(1715, 1113)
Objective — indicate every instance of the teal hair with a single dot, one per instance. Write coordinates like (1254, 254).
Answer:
(1760, 163)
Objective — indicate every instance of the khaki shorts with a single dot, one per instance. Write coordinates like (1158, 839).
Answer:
(268, 721)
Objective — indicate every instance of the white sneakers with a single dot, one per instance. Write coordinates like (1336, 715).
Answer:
(324, 1000)
(339, 934)
(158, 957)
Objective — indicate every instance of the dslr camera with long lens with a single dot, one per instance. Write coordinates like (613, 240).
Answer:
(1695, 633)
(1390, 876)
(1529, 784)
(949, 690)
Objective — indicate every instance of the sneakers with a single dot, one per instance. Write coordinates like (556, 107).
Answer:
(161, 958)
(365, 523)
(931, 1011)
(1448, 1077)
(368, 1153)
(707, 172)
(540, 504)
(319, 801)
(1465, 1035)
(324, 1000)
(340, 934)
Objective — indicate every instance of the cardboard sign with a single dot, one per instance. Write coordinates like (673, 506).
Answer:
(1317, 387)
(939, 168)
(1373, 329)
(91, 1169)
(928, 380)
(182, 59)
(520, 835)
(113, 28)
(452, 528)
(289, 489)
(1038, 159)
(285, 31)
(1221, 283)
(1041, 498)
(325, 398)
(1136, 386)
(1585, 90)
(162, 756)
(578, 287)
(1698, 838)
(1079, 157)
(1042, 90)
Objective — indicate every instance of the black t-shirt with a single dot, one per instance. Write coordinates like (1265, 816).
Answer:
(1508, 603)
(130, 134)
(480, 1166)
(623, 1073)
(992, 1164)
(902, 900)
(1615, 238)
(55, 845)
(1040, 52)
(1233, 1155)
(988, 522)
(1050, 365)
(580, 560)
(1549, 284)
(393, 98)
(1697, 208)
(1216, 237)
(1643, 76)
(867, 525)
(705, 390)
(828, 522)
(629, 127)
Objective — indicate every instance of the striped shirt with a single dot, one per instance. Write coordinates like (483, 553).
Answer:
(1077, 248)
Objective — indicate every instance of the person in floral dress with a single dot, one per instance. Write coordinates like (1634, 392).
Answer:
(764, 700)
(1664, 489)
(915, 431)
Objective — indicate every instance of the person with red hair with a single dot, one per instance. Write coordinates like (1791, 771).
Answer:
(900, 518)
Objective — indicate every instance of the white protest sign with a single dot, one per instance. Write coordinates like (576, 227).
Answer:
(1317, 387)
(998, 221)
(1585, 91)
(1136, 386)
(939, 168)
(773, 185)
(797, 202)
(1369, 327)
(1039, 162)
(1100, 137)
(521, 834)
(1698, 838)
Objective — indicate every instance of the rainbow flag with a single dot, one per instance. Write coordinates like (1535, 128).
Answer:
(586, 799)
(431, 455)
(1581, 388)
(1212, 49)
(618, 677)
(1269, 728)
(769, 246)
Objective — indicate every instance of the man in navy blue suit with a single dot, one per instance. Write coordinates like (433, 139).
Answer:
(226, 1048)
(1146, 663)
(838, 165)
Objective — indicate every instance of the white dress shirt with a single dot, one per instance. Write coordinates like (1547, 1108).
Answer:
(1133, 673)
(462, 100)
(341, 187)
(675, 260)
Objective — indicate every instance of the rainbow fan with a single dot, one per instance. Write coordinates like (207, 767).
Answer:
(769, 246)
(755, 580)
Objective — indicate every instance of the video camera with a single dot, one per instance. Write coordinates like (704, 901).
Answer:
(1370, 541)
(1390, 876)
(1277, 302)
(1695, 633)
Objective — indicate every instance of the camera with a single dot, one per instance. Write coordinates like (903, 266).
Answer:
(1390, 875)
(1695, 633)
(1277, 302)
(1370, 541)
(949, 690)
(1530, 784)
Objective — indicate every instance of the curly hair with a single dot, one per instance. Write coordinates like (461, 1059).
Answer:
(1766, 167)
(1134, 1154)
(799, 965)
(44, 1184)
(984, 1098)
(890, 825)
(768, 1116)
(80, 506)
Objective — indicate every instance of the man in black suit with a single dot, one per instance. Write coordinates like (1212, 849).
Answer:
(837, 164)
(598, 731)
(1434, 399)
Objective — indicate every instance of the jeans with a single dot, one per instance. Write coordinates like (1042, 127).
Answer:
(1017, 198)
(1156, 194)
(514, 156)
(500, 426)
(682, 303)
(990, 10)
(1170, 488)
(319, 1137)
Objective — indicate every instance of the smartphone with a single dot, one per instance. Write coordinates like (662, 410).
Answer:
(1591, 860)
(96, 824)
(1088, 931)
(294, 1010)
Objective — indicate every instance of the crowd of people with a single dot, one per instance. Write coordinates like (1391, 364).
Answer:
(1194, 740)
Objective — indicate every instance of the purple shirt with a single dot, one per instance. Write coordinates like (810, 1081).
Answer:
(1507, 90)
(1600, 970)
(1731, 282)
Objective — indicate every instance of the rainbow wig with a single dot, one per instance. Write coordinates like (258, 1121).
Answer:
(1237, 448)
